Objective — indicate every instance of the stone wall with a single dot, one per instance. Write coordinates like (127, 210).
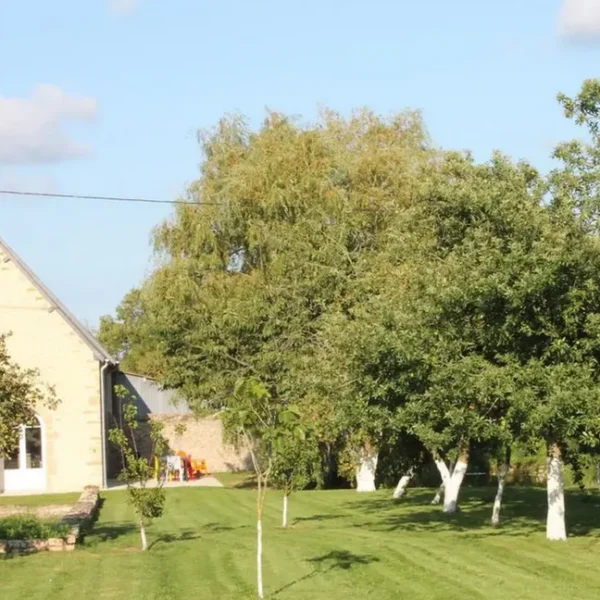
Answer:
(203, 439)
(78, 516)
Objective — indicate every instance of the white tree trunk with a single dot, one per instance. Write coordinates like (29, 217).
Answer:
(445, 474)
(438, 495)
(452, 487)
(498, 500)
(259, 575)
(555, 523)
(365, 473)
(443, 469)
(285, 510)
(143, 536)
(403, 484)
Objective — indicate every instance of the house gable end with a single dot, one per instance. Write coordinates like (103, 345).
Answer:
(54, 304)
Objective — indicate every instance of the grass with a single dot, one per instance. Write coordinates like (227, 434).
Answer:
(342, 546)
(239, 480)
(31, 528)
(46, 500)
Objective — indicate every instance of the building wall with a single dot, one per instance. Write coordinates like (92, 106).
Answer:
(202, 438)
(43, 340)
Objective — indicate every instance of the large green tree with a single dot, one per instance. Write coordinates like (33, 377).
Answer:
(280, 235)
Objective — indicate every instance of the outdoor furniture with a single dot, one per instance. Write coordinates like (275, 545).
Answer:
(199, 466)
(183, 457)
(174, 467)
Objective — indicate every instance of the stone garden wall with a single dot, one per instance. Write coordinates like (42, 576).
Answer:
(77, 516)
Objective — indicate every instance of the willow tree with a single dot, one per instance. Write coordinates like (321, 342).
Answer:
(282, 228)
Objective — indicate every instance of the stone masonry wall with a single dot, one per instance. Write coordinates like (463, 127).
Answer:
(42, 339)
(77, 516)
(203, 439)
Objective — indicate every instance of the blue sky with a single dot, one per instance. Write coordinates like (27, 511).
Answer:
(105, 97)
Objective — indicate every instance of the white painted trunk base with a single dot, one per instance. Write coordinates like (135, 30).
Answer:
(285, 511)
(555, 523)
(365, 474)
(452, 487)
(143, 536)
(259, 574)
(499, 493)
(438, 495)
(443, 469)
(403, 484)
(445, 474)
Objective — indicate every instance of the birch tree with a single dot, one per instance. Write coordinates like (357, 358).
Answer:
(269, 430)
(295, 466)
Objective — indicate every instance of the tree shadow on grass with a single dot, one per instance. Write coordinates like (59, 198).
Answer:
(334, 560)
(108, 532)
(218, 527)
(523, 513)
(324, 517)
(168, 538)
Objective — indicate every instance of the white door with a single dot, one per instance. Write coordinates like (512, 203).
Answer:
(25, 470)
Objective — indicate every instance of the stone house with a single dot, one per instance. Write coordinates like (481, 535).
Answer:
(68, 448)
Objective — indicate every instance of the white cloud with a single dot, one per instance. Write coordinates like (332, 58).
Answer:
(580, 19)
(123, 7)
(33, 130)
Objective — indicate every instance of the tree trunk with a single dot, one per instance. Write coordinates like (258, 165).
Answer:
(445, 474)
(555, 523)
(453, 484)
(259, 575)
(438, 495)
(365, 472)
(285, 510)
(143, 535)
(501, 481)
(403, 484)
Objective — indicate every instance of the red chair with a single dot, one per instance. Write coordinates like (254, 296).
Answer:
(187, 465)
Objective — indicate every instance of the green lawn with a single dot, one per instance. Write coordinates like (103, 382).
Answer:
(40, 500)
(342, 546)
(241, 479)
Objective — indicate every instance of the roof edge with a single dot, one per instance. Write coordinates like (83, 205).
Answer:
(100, 353)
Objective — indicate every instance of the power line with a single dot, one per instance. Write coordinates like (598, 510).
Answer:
(107, 198)
(135, 200)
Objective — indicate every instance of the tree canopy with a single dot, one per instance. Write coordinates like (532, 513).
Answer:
(405, 299)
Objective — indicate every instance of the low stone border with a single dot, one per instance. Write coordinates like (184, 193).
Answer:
(78, 516)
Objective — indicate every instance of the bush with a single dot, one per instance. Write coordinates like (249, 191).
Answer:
(31, 528)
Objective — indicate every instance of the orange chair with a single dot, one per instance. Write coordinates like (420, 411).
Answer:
(200, 467)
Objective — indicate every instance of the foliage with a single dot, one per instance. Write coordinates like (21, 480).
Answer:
(272, 432)
(297, 464)
(285, 220)
(129, 337)
(31, 528)
(384, 289)
(20, 395)
(148, 502)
